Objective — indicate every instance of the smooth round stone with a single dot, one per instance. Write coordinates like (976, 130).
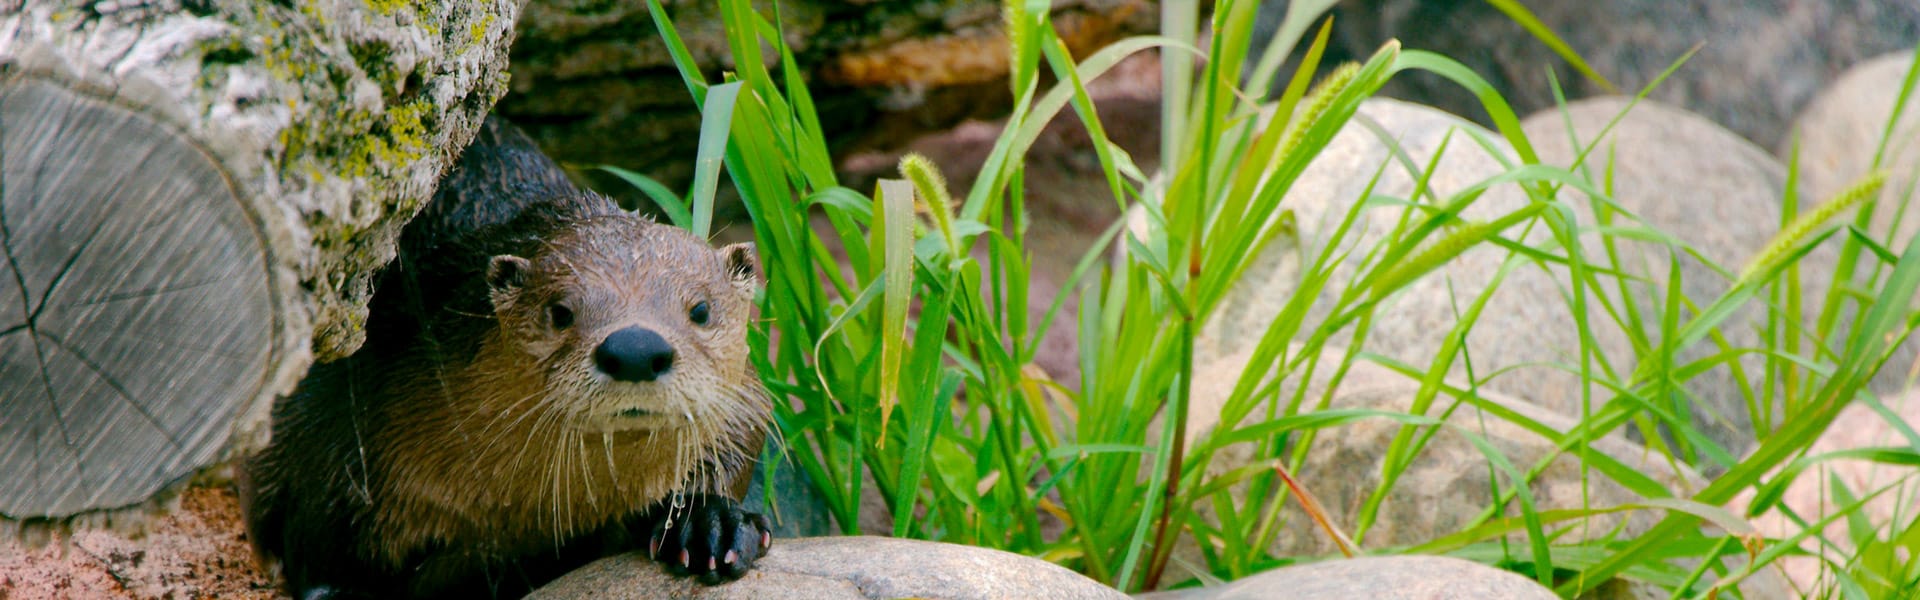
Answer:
(1688, 178)
(1375, 577)
(857, 567)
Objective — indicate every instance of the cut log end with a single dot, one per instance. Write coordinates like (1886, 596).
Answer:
(137, 313)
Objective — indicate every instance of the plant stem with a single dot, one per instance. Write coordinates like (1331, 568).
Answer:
(1162, 545)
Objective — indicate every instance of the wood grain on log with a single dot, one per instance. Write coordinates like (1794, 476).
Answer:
(139, 321)
(194, 197)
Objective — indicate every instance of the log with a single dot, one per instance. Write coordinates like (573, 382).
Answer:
(594, 84)
(194, 196)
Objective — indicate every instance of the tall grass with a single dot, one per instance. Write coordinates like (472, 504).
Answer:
(896, 326)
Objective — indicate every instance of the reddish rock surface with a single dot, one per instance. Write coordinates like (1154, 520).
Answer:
(1813, 497)
(198, 551)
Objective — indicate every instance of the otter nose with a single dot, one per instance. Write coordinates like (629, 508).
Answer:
(634, 354)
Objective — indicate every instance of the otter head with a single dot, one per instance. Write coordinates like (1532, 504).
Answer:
(631, 325)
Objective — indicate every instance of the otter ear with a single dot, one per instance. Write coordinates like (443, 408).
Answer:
(506, 272)
(743, 264)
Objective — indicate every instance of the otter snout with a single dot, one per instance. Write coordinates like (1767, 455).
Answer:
(634, 354)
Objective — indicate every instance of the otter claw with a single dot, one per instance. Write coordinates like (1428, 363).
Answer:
(715, 541)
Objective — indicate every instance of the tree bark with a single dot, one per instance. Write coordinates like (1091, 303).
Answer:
(194, 195)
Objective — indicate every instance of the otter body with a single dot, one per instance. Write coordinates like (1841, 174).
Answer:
(547, 380)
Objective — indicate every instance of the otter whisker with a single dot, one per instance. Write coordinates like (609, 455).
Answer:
(452, 311)
(498, 419)
(613, 472)
(552, 472)
(533, 433)
(581, 442)
(566, 474)
(529, 434)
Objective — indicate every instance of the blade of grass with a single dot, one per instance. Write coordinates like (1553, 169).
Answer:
(716, 123)
(896, 234)
(662, 197)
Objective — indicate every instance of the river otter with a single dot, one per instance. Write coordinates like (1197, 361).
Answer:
(546, 380)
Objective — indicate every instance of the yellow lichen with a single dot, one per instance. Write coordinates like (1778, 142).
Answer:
(478, 30)
(312, 11)
(386, 7)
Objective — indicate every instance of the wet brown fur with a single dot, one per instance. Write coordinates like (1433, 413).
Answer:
(472, 435)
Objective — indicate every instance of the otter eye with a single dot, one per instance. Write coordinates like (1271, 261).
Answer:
(699, 313)
(561, 315)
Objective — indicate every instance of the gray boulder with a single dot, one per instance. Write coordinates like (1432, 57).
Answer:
(844, 567)
(1525, 341)
(1448, 484)
(1841, 129)
(1411, 326)
(1676, 170)
(1377, 577)
(1721, 196)
(1759, 61)
(1839, 133)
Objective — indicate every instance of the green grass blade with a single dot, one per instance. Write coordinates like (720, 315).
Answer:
(677, 49)
(716, 123)
(662, 197)
(896, 202)
(1520, 15)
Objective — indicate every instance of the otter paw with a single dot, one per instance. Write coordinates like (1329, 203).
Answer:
(712, 539)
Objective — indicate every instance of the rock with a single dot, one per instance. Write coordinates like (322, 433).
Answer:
(1701, 184)
(1677, 171)
(1732, 196)
(1447, 485)
(1839, 133)
(1760, 63)
(198, 550)
(1377, 577)
(843, 567)
(1841, 129)
(1412, 325)
(1812, 497)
